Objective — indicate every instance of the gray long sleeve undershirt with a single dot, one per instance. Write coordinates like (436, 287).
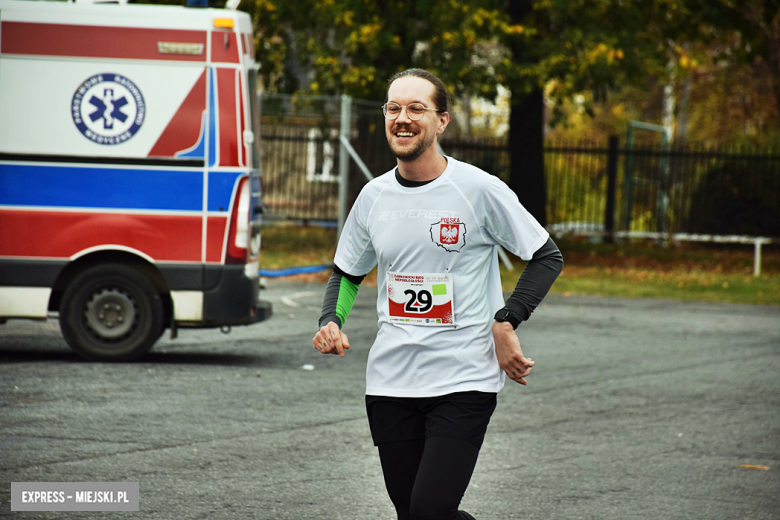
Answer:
(535, 281)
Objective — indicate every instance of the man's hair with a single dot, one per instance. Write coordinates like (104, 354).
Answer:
(440, 96)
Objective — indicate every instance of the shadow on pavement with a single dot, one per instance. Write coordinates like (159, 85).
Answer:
(9, 355)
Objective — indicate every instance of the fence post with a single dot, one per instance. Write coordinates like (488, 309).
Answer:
(345, 131)
(609, 214)
(628, 185)
(663, 188)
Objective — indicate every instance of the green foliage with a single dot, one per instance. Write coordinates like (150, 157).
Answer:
(353, 46)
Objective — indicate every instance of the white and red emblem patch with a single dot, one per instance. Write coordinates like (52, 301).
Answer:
(449, 234)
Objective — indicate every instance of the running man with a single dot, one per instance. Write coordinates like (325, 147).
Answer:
(446, 340)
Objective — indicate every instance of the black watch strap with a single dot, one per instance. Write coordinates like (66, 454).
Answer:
(505, 314)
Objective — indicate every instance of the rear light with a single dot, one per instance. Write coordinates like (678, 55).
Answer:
(238, 237)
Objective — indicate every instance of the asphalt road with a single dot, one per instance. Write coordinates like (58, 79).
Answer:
(636, 409)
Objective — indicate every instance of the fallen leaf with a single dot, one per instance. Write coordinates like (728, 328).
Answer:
(752, 466)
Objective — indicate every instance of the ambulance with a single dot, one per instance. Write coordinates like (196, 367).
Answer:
(129, 171)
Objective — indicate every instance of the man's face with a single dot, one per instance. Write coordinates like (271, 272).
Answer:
(410, 139)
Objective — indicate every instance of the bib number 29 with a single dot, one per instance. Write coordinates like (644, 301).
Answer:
(419, 301)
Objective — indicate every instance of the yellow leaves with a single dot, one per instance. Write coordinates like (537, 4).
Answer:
(347, 18)
(358, 76)
(515, 29)
(615, 53)
(326, 61)
(688, 62)
(619, 110)
(314, 86)
(601, 52)
(365, 34)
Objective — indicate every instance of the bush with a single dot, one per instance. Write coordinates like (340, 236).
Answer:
(737, 199)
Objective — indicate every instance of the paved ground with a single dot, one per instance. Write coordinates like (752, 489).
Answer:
(637, 409)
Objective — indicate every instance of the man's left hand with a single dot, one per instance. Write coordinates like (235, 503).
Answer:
(509, 354)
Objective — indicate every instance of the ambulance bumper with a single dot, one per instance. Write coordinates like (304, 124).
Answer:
(234, 299)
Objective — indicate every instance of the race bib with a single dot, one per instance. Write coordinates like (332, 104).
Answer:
(420, 299)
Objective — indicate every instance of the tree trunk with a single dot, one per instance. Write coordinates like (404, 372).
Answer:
(526, 148)
(526, 131)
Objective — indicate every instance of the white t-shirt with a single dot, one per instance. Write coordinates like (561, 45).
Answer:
(448, 228)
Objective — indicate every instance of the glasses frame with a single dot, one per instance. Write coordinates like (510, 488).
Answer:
(408, 114)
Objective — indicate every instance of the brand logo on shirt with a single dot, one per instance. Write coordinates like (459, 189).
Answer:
(450, 234)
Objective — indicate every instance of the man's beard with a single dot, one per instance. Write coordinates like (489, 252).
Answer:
(410, 154)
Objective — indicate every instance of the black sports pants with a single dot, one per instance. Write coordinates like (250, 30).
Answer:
(428, 448)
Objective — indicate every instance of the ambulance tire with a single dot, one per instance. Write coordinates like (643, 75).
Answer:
(111, 312)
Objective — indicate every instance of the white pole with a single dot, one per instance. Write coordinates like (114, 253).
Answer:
(757, 256)
(346, 127)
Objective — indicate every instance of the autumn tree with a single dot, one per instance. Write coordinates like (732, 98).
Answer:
(353, 46)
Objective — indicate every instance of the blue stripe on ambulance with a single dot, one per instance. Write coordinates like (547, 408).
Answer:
(116, 187)
(221, 189)
(198, 151)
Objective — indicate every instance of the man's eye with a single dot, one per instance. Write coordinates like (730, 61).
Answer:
(417, 109)
(393, 109)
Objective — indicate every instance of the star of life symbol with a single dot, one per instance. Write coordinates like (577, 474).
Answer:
(108, 109)
(449, 234)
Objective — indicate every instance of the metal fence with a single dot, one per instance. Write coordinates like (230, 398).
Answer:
(300, 153)
(590, 187)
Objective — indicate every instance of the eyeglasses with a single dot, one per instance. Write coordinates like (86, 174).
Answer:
(415, 111)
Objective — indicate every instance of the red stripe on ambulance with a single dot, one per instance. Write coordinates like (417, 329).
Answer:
(183, 130)
(224, 47)
(215, 230)
(228, 140)
(240, 110)
(62, 234)
(49, 39)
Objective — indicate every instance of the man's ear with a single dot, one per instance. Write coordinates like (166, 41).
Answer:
(444, 120)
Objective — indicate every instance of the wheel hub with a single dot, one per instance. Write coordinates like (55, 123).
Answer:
(110, 313)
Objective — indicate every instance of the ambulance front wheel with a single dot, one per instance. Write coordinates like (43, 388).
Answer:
(111, 312)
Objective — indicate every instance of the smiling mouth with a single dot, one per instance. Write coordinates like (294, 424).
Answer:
(404, 134)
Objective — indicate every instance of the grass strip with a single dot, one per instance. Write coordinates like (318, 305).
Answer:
(630, 270)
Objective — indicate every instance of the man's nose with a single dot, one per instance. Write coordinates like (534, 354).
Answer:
(404, 115)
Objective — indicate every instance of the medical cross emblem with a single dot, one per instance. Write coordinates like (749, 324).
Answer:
(108, 109)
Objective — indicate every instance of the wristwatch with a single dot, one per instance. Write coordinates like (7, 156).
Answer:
(507, 315)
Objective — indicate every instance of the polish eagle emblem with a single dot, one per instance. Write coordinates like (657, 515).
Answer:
(449, 235)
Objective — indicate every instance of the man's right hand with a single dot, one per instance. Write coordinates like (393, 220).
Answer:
(330, 340)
